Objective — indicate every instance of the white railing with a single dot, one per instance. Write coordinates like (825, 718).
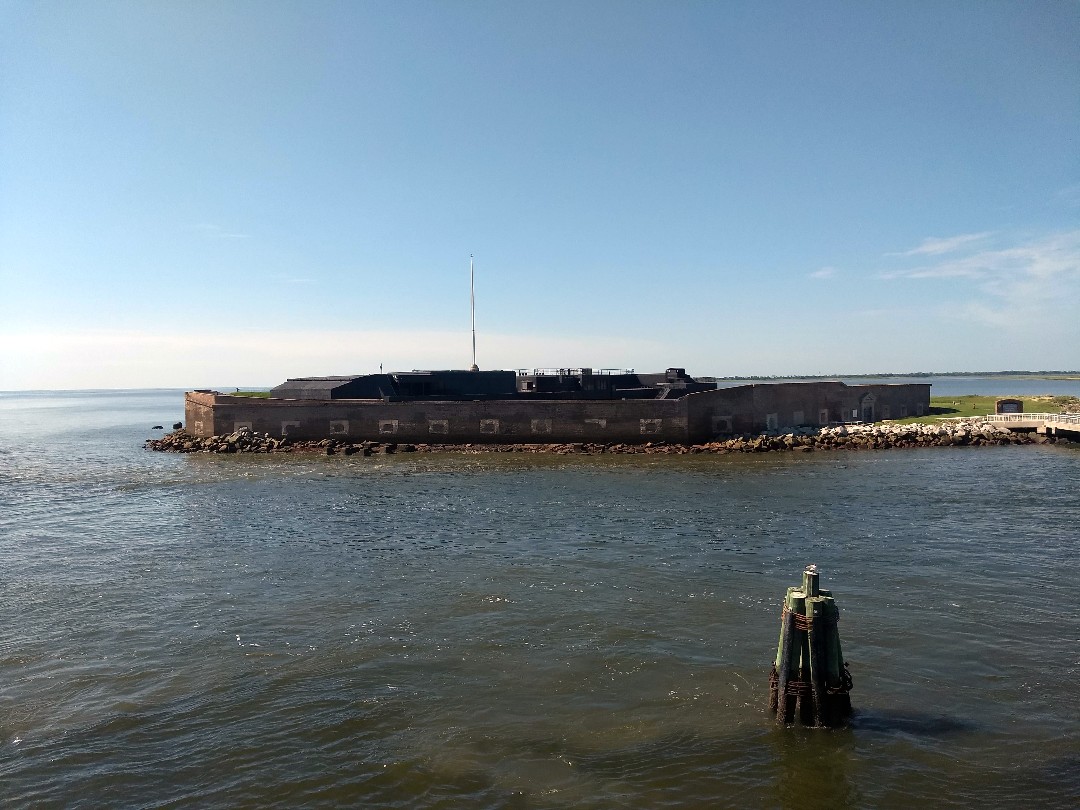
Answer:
(577, 372)
(1067, 418)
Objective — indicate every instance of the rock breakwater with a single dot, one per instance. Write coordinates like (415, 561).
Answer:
(960, 433)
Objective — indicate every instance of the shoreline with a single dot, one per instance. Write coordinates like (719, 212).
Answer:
(878, 436)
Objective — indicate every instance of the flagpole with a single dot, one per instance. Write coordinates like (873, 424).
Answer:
(472, 309)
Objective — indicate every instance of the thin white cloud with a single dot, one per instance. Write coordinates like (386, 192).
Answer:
(936, 246)
(824, 272)
(1016, 287)
(1054, 255)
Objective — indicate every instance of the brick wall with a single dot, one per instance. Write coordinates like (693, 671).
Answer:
(695, 418)
(492, 421)
(783, 406)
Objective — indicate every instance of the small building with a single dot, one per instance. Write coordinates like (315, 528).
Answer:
(369, 386)
(1009, 405)
(607, 383)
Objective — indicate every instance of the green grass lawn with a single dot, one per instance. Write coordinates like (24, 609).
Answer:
(257, 394)
(952, 407)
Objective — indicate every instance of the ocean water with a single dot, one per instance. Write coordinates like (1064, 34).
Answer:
(963, 386)
(506, 631)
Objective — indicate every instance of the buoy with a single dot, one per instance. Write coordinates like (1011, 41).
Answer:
(809, 682)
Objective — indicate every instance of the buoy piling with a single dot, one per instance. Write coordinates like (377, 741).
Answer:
(809, 681)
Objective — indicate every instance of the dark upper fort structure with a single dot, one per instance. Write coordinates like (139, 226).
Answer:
(543, 406)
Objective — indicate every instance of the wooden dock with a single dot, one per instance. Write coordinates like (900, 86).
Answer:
(1066, 425)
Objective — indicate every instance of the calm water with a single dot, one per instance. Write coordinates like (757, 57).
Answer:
(511, 632)
(963, 386)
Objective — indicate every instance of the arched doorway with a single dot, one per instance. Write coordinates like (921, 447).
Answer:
(866, 407)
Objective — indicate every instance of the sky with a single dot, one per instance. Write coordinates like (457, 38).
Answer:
(217, 193)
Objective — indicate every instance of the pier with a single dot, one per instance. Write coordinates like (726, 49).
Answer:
(1066, 425)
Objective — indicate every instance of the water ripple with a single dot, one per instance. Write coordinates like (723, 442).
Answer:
(517, 631)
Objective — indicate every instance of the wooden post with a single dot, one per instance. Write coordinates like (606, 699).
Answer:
(782, 705)
(810, 581)
(815, 612)
(833, 665)
(800, 651)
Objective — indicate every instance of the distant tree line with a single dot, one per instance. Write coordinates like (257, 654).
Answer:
(897, 374)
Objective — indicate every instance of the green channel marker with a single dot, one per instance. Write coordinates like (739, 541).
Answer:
(809, 682)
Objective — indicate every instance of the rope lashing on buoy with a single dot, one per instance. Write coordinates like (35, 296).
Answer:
(804, 622)
(809, 680)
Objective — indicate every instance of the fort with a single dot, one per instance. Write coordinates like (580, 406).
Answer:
(543, 406)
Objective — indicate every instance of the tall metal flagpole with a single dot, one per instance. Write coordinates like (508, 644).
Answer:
(472, 310)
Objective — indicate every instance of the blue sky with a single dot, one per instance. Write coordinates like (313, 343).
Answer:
(219, 193)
